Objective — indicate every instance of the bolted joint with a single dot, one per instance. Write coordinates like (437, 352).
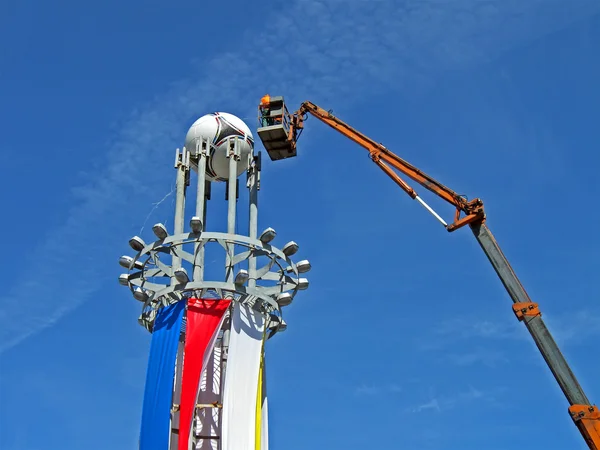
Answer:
(234, 149)
(526, 309)
(581, 412)
(587, 420)
(202, 148)
(182, 159)
(474, 206)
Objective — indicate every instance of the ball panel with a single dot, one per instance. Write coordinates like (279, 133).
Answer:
(218, 128)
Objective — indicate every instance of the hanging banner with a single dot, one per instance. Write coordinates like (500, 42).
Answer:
(241, 379)
(258, 426)
(158, 392)
(264, 421)
(204, 319)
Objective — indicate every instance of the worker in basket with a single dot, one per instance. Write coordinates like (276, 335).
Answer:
(265, 102)
(265, 111)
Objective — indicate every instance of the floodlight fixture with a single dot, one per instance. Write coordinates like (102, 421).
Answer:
(273, 320)
(137, 243)
(127, 262)
(303, 266)
(140, 295)
(124, 279)
(290, 248)
(241, 277)
(160, 231)
(267, 236)
(284, 299)
(282, 325)
(181, 275)
(196, 224)
(302, 284)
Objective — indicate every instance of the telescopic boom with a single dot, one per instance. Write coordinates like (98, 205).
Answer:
(279, 133)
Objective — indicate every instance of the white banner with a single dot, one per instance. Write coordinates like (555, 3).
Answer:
(241, 379)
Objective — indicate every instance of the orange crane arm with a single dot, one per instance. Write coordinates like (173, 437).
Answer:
(279, 133)
(387, 160)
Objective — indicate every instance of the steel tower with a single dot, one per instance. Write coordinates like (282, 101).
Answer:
(258, 279)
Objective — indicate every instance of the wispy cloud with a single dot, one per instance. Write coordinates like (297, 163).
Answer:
(577, 327)
(377, 389)
(389, 45)
(442, 403)
(444, 341)
(472, 328)
(486, 357)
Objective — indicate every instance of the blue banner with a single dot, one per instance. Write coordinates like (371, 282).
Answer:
(158, 394)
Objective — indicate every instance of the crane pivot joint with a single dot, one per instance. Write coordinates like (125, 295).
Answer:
(580, 412)
(526, 309)
(587, 420)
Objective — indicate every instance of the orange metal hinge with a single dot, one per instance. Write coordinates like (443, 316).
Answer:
(459, 223)
(587, 420)
(526, 309)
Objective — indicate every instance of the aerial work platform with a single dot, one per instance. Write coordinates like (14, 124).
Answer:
(275, 129)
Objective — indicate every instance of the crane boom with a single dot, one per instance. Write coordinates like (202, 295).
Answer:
(279, 133)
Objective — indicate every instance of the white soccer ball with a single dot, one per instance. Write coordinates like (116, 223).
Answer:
(218, 128)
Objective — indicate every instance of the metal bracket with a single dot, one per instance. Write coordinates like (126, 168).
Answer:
(202, 147)
(584, 412)
(528, 309)
(234, 149)
(587, 420)
(182, 159)
(209, 405)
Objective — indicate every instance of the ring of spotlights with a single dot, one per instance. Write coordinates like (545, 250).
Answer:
(280, 270)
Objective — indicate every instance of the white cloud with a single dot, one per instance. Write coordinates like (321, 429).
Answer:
(487, 357)
(313, 49)
(431, 404)
(576, 327)
(376, 389)
(441, 403)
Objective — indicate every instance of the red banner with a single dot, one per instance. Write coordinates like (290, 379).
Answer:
(204, 318)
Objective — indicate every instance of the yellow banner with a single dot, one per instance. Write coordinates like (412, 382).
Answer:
(259, 394)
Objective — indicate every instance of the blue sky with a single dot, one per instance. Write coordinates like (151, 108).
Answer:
(405, 338)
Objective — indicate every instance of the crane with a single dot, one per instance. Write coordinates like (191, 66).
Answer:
(279, 132)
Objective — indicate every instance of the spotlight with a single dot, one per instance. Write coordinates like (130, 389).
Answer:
(196, 224)
(160, 231)
(284, 299)
(283, 325)
(303, 266)
(241, 277)
(124, 279)
(140, 295)
(127, 263)
(290, 248)
(181, 275)
(274, 321)
(302, 284)
(267, 236)
(137, 243)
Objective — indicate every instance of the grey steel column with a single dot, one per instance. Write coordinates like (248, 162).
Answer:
(182, 165)
(536, 326)
(202, 151)
(233, 154)
(253, 185)
(175, 424)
